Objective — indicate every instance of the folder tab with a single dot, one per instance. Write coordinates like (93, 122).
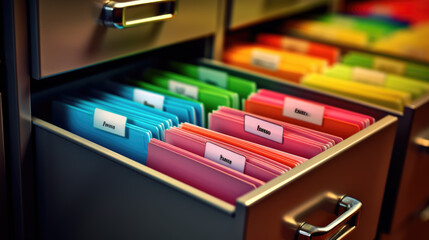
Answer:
(213, 77)
(225, 157)
(148, 98)
(183, 89)
(302, 110)
(110, 122)
(263, 128)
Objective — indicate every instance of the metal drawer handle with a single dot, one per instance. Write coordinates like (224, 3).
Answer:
(422, 140)
(337, 229)
(128, 14)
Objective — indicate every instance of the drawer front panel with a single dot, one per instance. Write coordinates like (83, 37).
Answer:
(246, 12)
(359, 171)
(69, 36)
(85, 195)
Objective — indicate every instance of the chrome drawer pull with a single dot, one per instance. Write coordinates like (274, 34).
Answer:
(337, 229)
(422, 140)
(129, 14)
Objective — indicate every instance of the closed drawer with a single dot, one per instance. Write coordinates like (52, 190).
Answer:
(246, 12)
(68, 35)
(87, 191)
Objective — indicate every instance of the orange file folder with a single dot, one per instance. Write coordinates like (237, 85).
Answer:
(324, 51)
(279, 63)
(330, 125)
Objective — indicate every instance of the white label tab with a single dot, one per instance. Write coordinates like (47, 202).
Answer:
(389, 65)
(303, 111)
(149, 99)
(263, 128)
(295, 45)
(110, 122)
(183, 89)
(369, 76)
(225, 157)
(213, 77)
(265, 60)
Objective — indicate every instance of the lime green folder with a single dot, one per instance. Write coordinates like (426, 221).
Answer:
(377, 95)
(215, 77)
(391, 81)
(408, 69)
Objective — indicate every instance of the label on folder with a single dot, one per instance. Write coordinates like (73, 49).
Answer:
(213, 77)
(183, 89)
(225, 157)
(110, 122)
(149, 99)
(263, 128)
(265, 60)
(295, 45)
(388, 65)
(368, 76)
(303, 111)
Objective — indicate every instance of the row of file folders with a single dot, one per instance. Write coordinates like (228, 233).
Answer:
(383, 81)
(204, 127)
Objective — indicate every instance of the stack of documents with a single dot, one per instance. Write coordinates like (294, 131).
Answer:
(389, 65)
(305, 113)
(218, 164)
(388, 98)
(272, 133)
(215, 77)
(272, 61)
(327, 52)
(378, 78)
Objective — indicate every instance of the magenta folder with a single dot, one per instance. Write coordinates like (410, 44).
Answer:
(278, 135)
(199, 172)
(303, 131)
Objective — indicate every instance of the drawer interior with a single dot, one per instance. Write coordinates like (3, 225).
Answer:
(99, 179)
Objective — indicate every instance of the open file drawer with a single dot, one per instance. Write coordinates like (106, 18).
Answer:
(407, 195)
(86, 191)
(66, 35)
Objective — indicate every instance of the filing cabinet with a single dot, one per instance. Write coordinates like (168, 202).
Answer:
(85, 191)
